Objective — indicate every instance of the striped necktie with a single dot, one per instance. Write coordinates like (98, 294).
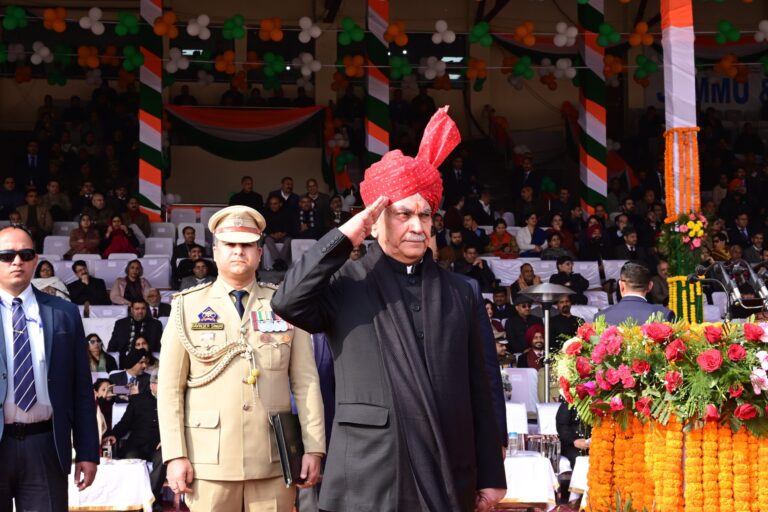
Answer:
(23, 376)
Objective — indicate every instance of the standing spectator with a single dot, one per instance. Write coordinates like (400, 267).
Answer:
(46, 281)
(481, 208)
(501, 242)
(321, 202)
(134, 216)
(616, 232)
(630, 251)
(247, 196)
(32, 171)
(310, 224)
(87, 289)
(56, 201)
(35, 217)
(74, 113)
(456, 180)
(118, 239)
(527, 278)
(454, 206)
(423, 107)
(565, 276)
(98, 360)
(137, 324)
(279, 230)
(285, 192)
(132, 287)
(659, 293)
(453, 251)
(720, 190)
(527, 176)
(531, 239)
(99, 212)
(529, 203)
(473, 234)
(10, 197)
(563, 204)
(439, 232)
(84, 239)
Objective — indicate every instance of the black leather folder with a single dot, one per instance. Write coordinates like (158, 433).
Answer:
(287, 431)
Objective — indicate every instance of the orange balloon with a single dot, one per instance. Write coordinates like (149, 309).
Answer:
(520, 32)
(229, 55)
(93, 62)
(528, 25)
(160, 27)
(529, 40)
(276, 35)
(641, 28)
(59, 26)
(82, 51)
(401, 39)
(267, 24)
(173, 32)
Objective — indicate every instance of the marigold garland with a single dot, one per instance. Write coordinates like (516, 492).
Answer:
(672, 489)
(688, 175)
(725, 467)
(754, 464)
(637, 468)
(710, 463)
(694, 468)
(762, 471)
(742, 472)
(600, 476)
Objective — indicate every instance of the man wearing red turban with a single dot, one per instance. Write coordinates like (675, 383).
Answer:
(414, 427)
(533, 357)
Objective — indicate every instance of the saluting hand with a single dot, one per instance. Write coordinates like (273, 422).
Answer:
(359, 226)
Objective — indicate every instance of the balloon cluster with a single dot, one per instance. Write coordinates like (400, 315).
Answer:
(399, 67)
(132, 58)
(225, 62)
(234, 28)
(176, 61)
(273, 64)
(198, 27)
(127, 23)
(727, 66)
(726, 33)
(640, 35)
(645, 67)
(40, 54)
(56, 77)
(442, 34)
(338, 141)
(307, 64)
(432, 68)
(88, 57)
(612, 66)
(15, 17)
(524, 33)
(762, 32)
(477, 68)
(350, 32)
(62, 55)
(607, 35)
(547, 74)
(564, 68)
(55, 19)
(565, 35)
(306, 83)
(109, 56)
(165, 25)
(252, 61)
(93, 22)
(395, 33)
(309, 30)
(481, 33)
(523, 68)
(270, 29)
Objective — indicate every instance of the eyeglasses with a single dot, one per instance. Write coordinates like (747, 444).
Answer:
(8, 256)
(94, 342)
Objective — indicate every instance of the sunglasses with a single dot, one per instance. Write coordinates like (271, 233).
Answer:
(8, 256)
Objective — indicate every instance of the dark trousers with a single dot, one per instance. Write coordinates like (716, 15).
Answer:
(31, 475)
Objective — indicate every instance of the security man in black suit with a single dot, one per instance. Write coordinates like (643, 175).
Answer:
(634, 284)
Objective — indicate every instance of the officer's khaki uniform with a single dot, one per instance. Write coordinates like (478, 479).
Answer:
(210, 415)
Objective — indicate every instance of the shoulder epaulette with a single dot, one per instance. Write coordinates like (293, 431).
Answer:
(268, 285)
(192, 289)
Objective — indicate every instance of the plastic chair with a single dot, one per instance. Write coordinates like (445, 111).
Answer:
(157, 271)
(299, 247)
(517, 418)
(49, 257)
(183, 215)
(86, 257)
(547, 418)
(62, 228)
(56, 245)
(163, 246)
(163, 230)
(122, 256)
(101, 326)
(108, 270)
(525, 382)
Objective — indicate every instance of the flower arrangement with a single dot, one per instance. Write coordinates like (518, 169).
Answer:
(681, 242)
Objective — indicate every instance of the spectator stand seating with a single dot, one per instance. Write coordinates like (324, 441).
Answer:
(159, 245)
(156, 270)
(508, 271)
(299, 247)
(49, 257)
(524, 387)
(86, 257)
(56, 245)
(183, 216)
(199, 232)
(163, 230)
(63, 228)
(115, 311)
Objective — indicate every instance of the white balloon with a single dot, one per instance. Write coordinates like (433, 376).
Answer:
(316, 66)
(449, 36)
(437, 38)
(205, 33)
(430, 74)
(48, 58)
(561, 27)
(305, 22)
(171, 67)
(174, 53)
(44, 52)
(441, 25)
(306, 58)
(560, 40)
(203, 20)
(570, 73)
(36, 59)
(315, 31)
(37, 45)
(95, 13)
(98, 28)
(759, 37)
(304, 37)
(305, 71)
(193, 28)
(183, 63)
(572, 32)
(440, 66)
(296, 62)
(85, 22)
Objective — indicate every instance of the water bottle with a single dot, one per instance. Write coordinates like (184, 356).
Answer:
(512, 444)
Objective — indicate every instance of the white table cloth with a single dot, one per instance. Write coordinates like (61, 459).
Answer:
(530, 479)
(508, 271)
(579, 479)
(119, 485)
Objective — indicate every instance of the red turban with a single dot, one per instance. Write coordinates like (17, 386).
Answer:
(398, 176)
(532, 332)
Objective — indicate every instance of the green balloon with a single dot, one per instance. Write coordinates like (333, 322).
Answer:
(473, 38)
(605, 29)
(357, 34)
(641, 59)
(486, 40)
(239, 20)
(652, 67)
(138, 59)
(344, 39)
(518, 69)
(128, 65)
(121, 29)
(734, 36)
(484, 26)
(226, 34)
(229, 24)
(477, 31)
(238, 33)
(478, 85)
(526, 60)
(269, 57)
(641, 73)
(268, 71)
(528, 74)
(614, 37)
(721, 39)
(348, 24)
(602, 41)
(724, 26)
(22, 24)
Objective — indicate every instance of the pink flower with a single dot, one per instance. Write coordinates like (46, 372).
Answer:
(658, 332)
(585, 332)
(710, 360)
(616, 403)
(612, 376)
(759, 380)
(762, 356)
(686, 239)
(683, 228)
(613, 345)
(641, 367)
(745, 412)
(675, 350)
(696, 242)
(573, 349)
(713, 333)
(764, 337)
(581, 391)
(753, 332)
(599, 353)
(565, 387)
(601, 382)
(643, 406)
(583, 367)
(691, 216)
(736, 353)
(711, 413)
(626, 376)
(672, 381)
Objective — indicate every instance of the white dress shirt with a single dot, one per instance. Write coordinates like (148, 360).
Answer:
(42, 409)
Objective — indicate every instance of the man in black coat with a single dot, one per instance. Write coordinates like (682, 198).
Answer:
(87, 288)
(563, 325)
(137, 323)
(502, 309)
(567, 277)
(518, 323)
(247, 196)
(472, 265)
(414, 425)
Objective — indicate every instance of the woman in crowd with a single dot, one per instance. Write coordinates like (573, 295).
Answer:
(719, 250)
(98, 359)
(102, 390)
(84, 239)
(502, 244)
(555, 247)
(557, 225)
(131, 287)
(46, 281)
(140, 343)
(531, 239)
(119, 238)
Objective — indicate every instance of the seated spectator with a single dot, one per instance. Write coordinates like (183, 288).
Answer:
(132, 287)
(255, 99)
(133, 377)
(562, 205)
(528, 205)
(280, 225)
(98, 360)
(133, 215)
(184, 97)
(181, 251)
(285, 193)
(615, 233)
(118, 239)
(649, 229)
(310, 222)
(473, 234)
(36, 218)
(531, 240)
(574, 435)
(563, 326)
(99, 212)
(630, 250)
(595, 248)
(118, 199)
(84, 196)
(735, 253)
(439, 232)
(533, 356)
(472, 265)
(46, 281)
(502, 309)
(321, 202)
(102, 390)
(185, 266)
(56, 201)
(753, 253)
(527, 278)
(501, 242)
(716, 226)
(740, 233)
(453, 218)
(554, 248)
(200, 275)
(155, 307)
(137, 323)
(10, 197)
(720, 190)
(565, 276)
(247, 196)
(140, 343)
(518, 324)
(499, 336)
(87, 289)
(557, 225)
(357, 252)
(453, 251)
(337, 216)
(659, 293)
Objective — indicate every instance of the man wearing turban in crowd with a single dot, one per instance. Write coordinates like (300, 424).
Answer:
(414, 428)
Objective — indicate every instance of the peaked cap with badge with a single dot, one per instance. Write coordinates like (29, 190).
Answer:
(237, 225)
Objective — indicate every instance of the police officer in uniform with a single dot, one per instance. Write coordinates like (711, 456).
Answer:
(227, 362)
